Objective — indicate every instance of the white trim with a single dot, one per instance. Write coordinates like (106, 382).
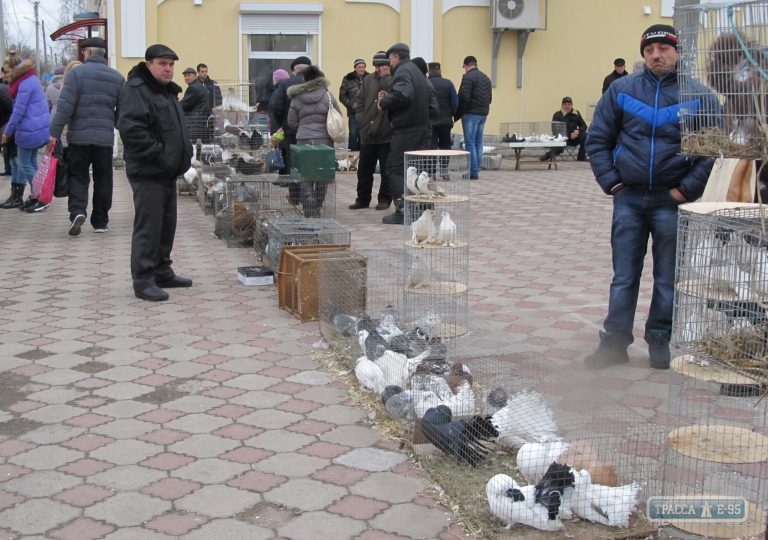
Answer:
(111, 41)
(450, 4)
(307, 9)
(422, 29)
(393, 4)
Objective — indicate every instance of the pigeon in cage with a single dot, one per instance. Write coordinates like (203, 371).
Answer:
(533, 460)
(250, 141)
(446, 232)
(389, 391)
(606, 505)
(371, 343)
(462, 440)
(422, 184)
(345, 324)
(512, 504)
(736, 69)
(550, 489)
(231, 102)
(411, 343)
(430, 390)
(400, 405)
(423, 229)
(525, 418)
(397, 367)
(388, 324)
(369, 375)
(418, 277)
(494, 400)
(411, 174)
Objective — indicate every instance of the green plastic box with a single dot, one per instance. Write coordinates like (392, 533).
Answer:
(313, 163)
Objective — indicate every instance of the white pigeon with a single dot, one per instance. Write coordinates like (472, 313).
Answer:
(191, 175)
(423, 229)
(398, 368)
(410, 180)
(446, 232)
(513, 504)
(533, 458)
(610, 506)
(422, 184)
(231, 102)
(462, 403)
(418, 277)
(525, 418)
(369, 375)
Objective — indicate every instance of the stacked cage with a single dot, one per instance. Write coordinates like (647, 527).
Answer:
(300, 231)
(717, 446)
(436, 243)
(723, 46)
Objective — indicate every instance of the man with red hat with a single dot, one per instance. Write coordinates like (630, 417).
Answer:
(634, 146)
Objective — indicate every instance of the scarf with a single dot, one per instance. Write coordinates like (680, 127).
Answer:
(14, 87)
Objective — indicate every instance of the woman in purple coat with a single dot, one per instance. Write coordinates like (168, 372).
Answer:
(28, 127)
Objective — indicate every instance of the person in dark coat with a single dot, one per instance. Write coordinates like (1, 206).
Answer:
(87, 106)
(213, 89)
(447, 103)
(349, 95)
(408, 106)
(475, 95)
(575, 130)
(375, 135)
(156, 150)
(634, 146)
(619, 71)
(197, 107)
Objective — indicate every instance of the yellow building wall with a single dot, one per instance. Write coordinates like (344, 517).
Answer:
(570, 57)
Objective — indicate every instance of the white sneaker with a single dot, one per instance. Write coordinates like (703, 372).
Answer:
(103, 229)
(77, 223)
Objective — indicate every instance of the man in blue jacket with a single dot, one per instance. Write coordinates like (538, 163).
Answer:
(634, 147)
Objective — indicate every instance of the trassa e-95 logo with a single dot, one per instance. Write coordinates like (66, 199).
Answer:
(713, 508)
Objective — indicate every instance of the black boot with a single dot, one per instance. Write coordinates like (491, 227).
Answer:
(397, 217)
(17, 196)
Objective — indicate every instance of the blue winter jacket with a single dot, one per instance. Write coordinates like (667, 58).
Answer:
(635, 134)
(29, 121)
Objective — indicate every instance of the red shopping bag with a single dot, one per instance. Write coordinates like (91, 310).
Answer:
(45, 177)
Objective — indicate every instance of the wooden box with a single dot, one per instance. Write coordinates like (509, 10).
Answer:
(298, 290)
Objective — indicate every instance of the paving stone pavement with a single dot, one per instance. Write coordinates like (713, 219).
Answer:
(207, 417)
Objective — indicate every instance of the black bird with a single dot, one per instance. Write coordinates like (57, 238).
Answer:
(754, 312)
(549, 490)
(462, 440)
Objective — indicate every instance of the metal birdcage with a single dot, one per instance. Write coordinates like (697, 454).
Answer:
(723, 45)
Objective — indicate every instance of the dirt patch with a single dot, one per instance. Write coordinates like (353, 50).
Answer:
(91, 367)
(269, 516)
(11, 389)
(164, 394)
(16, 427)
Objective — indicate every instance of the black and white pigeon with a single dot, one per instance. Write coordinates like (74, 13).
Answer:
(372, 344)
(462, 440)
(388, 324)
(513, 504)
(550, 489)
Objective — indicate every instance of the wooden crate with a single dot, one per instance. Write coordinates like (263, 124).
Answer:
(298, 290)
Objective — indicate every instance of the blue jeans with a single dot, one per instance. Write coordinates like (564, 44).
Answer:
(26, 159)
(473, 125)
(638, 214)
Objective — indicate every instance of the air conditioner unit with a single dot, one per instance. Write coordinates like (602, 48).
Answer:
(515, 14)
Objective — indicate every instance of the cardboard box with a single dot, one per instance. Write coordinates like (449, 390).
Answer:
(255, 275)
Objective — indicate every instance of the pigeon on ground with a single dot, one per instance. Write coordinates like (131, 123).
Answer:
(390, 391)
(610, 506)
(550, 489)
(371, 343)
(513, 504)
(462, 440)
(446, 232)
(369, 375)
(525, 418)
(345, 324)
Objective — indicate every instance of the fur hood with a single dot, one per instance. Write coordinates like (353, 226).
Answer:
(309, 86)
(22, 68)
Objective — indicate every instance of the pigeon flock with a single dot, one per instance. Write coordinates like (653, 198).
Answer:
(560, 481)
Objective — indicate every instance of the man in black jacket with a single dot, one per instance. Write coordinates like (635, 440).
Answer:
(349, 95)
(156, 151)
(475, 94)
(619, 71)
(197, 107)
(407, 104)
(214, 92)
(575, 130)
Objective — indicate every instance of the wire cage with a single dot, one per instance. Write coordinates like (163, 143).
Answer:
(723, 46)
(310, 199)
(234, 220)
(719, 312)
(301, 231)
(436, 242)
(530, 130)
(716, 452)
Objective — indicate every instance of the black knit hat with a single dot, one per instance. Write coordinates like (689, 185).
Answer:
(301, 60)
(658, 33)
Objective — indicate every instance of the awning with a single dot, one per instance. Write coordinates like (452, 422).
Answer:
(70, 31)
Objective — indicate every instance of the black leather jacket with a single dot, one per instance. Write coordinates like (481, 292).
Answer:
(408, 101)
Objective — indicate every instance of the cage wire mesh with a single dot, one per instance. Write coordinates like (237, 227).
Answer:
(301, 231)
(723, 45)
(310, 199)
(716, 451)
(436, 246)
(234, 221)
(719, 312)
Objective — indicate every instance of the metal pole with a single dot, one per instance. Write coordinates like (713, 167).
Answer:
(45, 48)
(37, 37)
(2, 31)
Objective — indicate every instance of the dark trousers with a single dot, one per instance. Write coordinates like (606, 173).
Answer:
(404, 140)
(579, 141)
(366, 167)
(7, 159)
(154, 229)
(354, 134)
(441, 140)
(80, 157)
